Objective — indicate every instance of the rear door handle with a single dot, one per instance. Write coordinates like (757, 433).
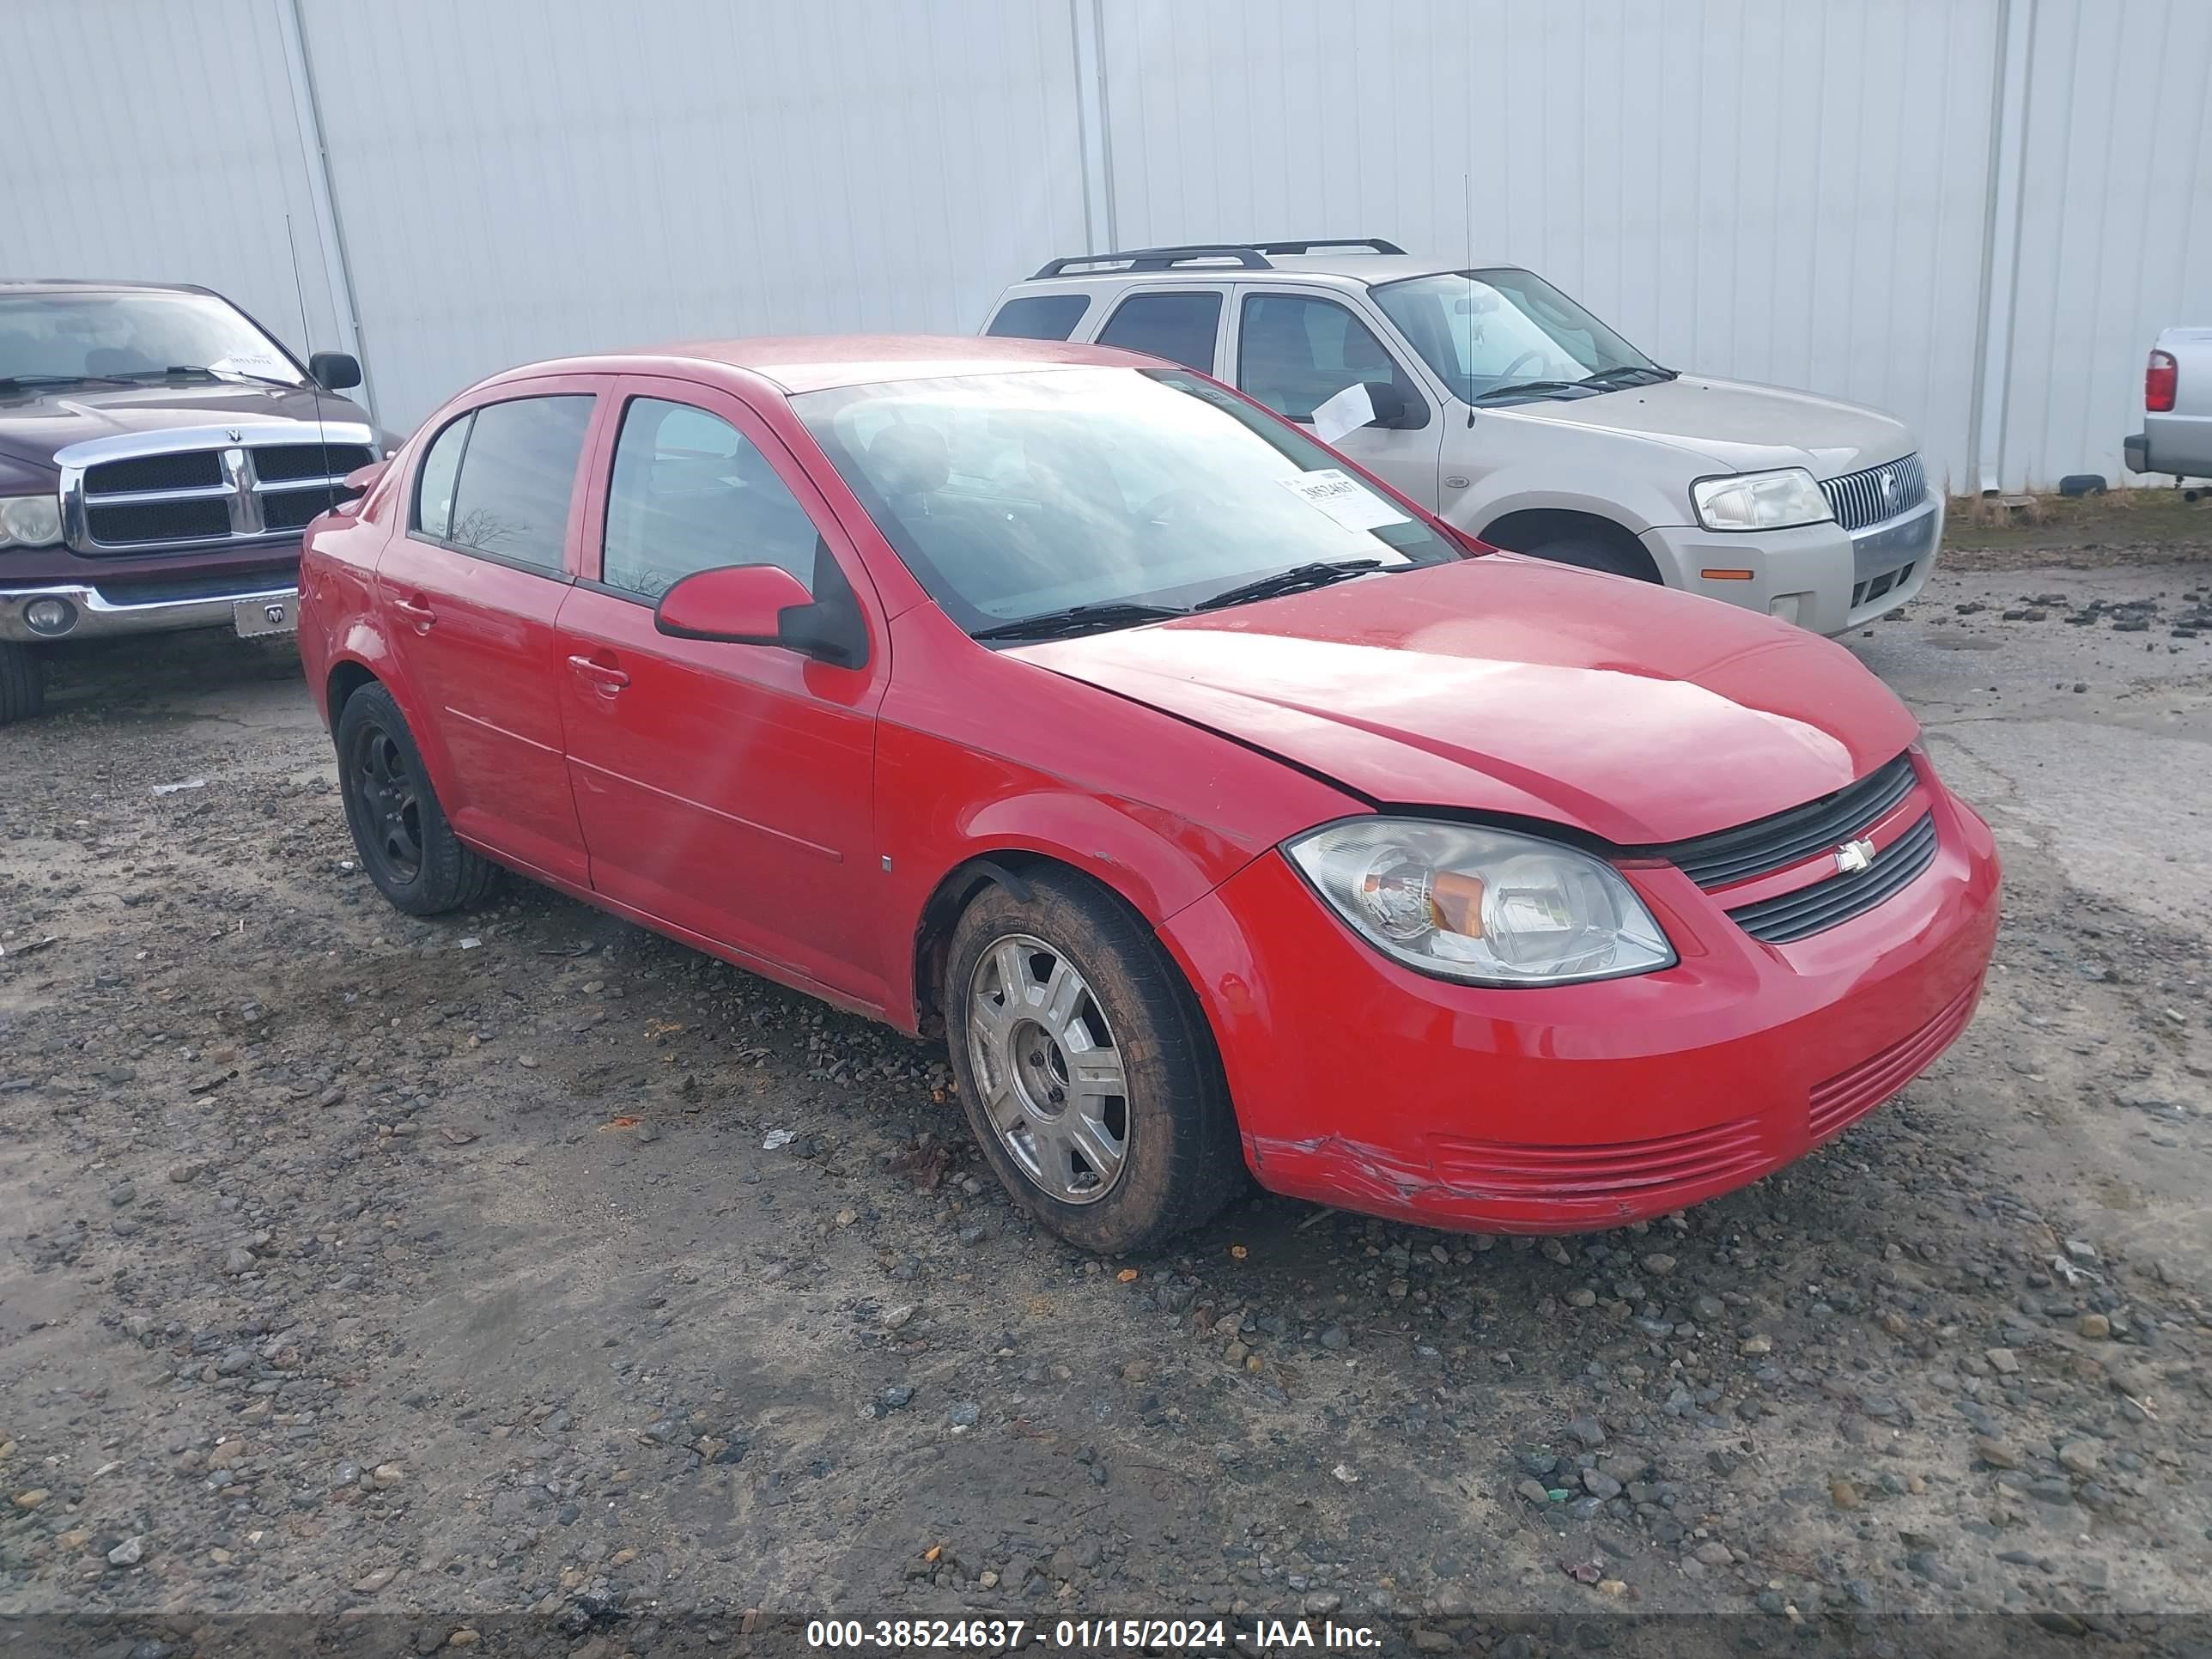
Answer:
(416, 612)
(605, 675)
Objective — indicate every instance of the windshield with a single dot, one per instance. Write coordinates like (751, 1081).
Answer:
(89, 335)
(1018, 495)
(1483, 331)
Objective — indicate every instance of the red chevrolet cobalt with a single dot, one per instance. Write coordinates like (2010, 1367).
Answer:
(1225, 811)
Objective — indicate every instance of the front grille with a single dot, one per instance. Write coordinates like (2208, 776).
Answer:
(1777, 841)
(1850, 1095)
(1616, 1169)
(1875, 586)
(290, 509)
(200, 469)
(1808, 910)
(281, 463)
(1859, 499)
(138, 524)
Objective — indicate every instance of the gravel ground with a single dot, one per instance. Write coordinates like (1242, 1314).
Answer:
(353, 1266)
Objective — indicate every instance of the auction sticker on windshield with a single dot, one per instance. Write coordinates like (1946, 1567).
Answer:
(1345, 499)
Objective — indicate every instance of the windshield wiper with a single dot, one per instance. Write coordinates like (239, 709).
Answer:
(1611, 378)
(1078, 619)
(9, 380)
(212, 373)
(1296, 579)
(1523, 388)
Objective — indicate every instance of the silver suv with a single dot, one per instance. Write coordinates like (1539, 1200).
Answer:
(1494, 399)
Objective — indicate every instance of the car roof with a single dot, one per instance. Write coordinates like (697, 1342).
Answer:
(798, 363)
(92, 285)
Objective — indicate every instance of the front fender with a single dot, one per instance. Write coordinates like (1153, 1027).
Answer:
(1636, 507)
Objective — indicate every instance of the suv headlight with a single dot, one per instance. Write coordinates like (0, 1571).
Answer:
(1481, 905)
(1759, 501)
(30, 521)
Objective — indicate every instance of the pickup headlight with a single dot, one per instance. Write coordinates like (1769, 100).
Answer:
(1759, 501)
(30, 521)
(1481, 905)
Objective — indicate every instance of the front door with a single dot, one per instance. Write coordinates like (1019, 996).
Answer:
(469, 595)
(725, 789)
(1296, 350)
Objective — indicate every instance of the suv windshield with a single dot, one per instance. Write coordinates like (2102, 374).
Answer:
(1487, 332)
(81, 335)
(1027, 495)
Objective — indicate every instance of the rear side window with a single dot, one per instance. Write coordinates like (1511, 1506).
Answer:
(1040, 317)
(517, 470)
(691, 493)
(433, 484)
(1179, 327)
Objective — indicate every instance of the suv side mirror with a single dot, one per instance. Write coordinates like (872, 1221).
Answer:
(334, 371)
(761, 605)
(1393, 410)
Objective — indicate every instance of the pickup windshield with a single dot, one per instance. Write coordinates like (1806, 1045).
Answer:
(1495, 335)
(1069, 500)
(93, 335)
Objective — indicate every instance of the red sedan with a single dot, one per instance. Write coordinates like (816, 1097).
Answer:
(1225, 811)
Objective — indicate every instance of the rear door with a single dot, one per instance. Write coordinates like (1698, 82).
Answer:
(1294, 348)
(468, 593)
(725, 789)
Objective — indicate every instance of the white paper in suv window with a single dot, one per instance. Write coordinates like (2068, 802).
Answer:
(1346, 499)
(1347, 412)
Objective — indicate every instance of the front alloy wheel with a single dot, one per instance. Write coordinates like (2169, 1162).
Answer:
(1053, 1083)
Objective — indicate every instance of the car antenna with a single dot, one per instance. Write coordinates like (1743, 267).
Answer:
(315, 386)
(1466, 212)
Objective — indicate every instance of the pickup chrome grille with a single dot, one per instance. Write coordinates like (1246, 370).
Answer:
(1877, 493)
(205, 486)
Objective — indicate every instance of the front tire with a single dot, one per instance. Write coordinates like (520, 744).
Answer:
(1086, 1070)
(22, 682)
(409, 851)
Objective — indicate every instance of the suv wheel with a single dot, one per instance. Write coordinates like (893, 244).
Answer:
(1087, 1072)
(408, 849)
(22, 682)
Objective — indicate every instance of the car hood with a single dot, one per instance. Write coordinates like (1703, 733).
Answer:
(36, 422)
(1505, 685)
(1738, 426)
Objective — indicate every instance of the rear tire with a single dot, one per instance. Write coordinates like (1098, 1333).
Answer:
(22, 682)
(408, 849)
(1590, 554)
(1093, 1088)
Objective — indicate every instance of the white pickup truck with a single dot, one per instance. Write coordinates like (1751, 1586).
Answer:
(1500, 404)
(2177, 434)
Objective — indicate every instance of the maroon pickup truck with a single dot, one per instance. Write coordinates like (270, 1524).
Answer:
(159, 454)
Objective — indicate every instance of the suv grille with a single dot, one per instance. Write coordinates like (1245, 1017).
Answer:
(202, 492)
(1876, 494)
(1783, 839)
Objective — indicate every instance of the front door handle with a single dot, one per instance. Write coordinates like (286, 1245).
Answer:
(605, 675)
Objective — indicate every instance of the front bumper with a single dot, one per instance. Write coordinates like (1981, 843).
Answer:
(1820, 576)
(1362, 1084)
(96, 616)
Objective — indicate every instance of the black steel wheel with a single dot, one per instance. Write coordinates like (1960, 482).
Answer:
(409, 850)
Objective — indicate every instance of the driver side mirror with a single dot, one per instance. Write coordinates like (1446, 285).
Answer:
(334, 371)
(1393, 410)
(761, 605)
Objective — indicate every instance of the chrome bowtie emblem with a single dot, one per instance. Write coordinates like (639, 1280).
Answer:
(236, 435)
(275, 613)
(1854, 856)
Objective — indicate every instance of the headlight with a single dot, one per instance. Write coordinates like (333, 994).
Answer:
(1481, 905)
(30, 521)
(1759, 501)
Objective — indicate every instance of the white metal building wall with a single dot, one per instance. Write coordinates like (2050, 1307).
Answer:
(1821, 194)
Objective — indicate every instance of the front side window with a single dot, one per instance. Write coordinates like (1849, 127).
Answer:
(1180, 327)
(689, 493)
(1296, 352)
(1494, 334)
(91, 335)
(508, 499)
(1040, 317)
(1014, 495)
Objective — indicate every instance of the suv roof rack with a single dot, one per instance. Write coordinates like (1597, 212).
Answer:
(1376, 243)
(1247, 255)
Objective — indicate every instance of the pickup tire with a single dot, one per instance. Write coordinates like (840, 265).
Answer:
(22, 682)
(409, 849)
